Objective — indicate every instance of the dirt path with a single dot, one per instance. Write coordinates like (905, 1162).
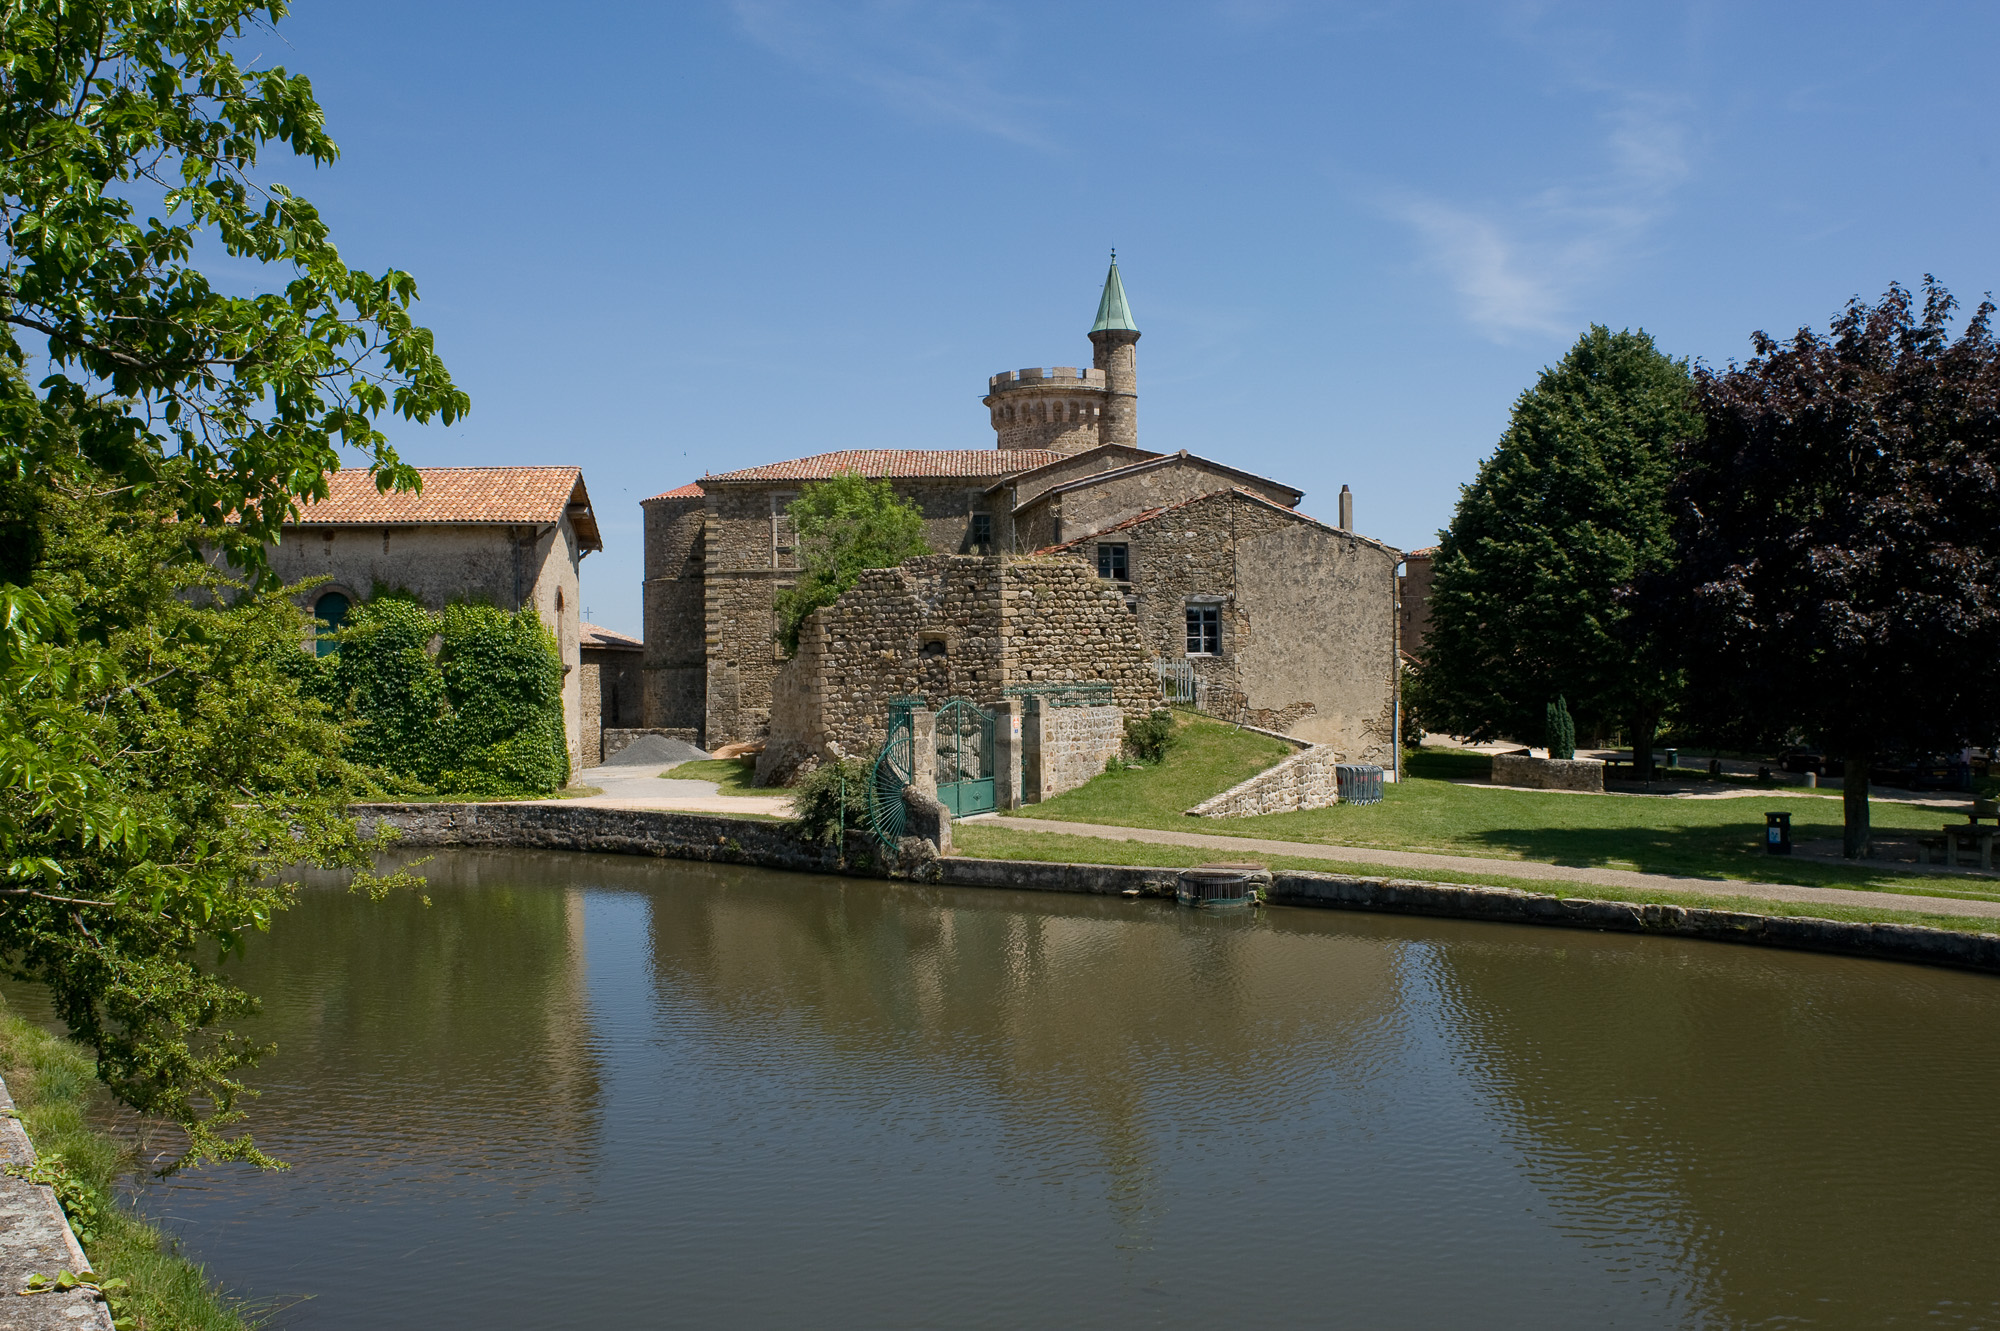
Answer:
(1503, 869)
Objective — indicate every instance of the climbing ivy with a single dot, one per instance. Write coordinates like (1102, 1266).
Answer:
(479, 715)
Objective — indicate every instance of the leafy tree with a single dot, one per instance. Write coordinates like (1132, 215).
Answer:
(160, 757)
(1531, 578)
(845, 525)
(1838, 521)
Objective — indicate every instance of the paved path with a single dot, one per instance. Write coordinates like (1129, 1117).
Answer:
(645, 788)
(1490, 868)
(34, 1238)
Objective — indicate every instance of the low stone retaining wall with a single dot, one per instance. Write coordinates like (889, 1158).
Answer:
(1512, 769)
(1306, 780)
(721, 839)
(34, 1237)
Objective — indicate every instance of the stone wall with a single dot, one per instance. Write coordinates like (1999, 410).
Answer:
(1063, 747)
(675, 671)
(1085, 506)
(1413, 596)
(1306, 780)
(1511, 769)
(947, 627)
(611, 691)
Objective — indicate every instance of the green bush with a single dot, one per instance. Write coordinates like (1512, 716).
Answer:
(503, 681)
(1150, 739)
(1561, 730)
(831, 798)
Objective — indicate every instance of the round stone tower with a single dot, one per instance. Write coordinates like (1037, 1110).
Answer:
(1069, 409)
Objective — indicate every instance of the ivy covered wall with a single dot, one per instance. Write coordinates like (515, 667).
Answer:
(468, 701)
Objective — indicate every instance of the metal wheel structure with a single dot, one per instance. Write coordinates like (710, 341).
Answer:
(894, 768)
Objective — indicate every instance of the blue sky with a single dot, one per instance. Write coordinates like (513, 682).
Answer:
(659, 240)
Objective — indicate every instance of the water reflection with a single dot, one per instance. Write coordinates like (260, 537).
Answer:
(584, 1090)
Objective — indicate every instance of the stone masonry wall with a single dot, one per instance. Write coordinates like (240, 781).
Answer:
(675, 669)
(1510, 769)
(947, 627)
(1306, 780)
(1074, 745)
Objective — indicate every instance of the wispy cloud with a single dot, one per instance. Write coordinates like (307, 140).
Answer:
(1519, 266)
(935, 62)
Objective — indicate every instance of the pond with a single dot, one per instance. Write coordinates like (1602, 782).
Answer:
(593, 1091)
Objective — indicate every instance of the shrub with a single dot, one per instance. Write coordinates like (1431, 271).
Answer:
(1150, 739)
(831, 799)
(1562, 730)
(503, 680)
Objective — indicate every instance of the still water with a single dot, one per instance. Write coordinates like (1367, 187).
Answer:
(582, 1091)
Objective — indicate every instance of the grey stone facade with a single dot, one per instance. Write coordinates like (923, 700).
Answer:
(610, 670)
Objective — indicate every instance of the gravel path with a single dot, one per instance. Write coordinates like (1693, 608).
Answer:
(1502, 869)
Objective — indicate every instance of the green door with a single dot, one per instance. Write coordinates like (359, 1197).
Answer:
(964, 758)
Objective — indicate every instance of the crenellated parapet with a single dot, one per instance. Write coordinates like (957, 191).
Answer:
(1060, 407)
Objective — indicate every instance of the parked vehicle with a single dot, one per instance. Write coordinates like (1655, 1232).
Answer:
(1804, 760)
(1921, 774)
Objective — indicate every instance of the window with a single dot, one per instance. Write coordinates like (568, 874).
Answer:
(784, 533)
(1114, 561)
(982, 533)
(1204, 630)
(331, 608)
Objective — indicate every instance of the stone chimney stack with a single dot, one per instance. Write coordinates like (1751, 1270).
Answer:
(1346, 509)
(1115, 337)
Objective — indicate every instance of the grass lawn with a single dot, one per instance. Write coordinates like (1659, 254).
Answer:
(54, 1084)
(1429, 811)
(997, 841)
(732, 776)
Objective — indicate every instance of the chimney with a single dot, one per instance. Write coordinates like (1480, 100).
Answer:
(1346, 509)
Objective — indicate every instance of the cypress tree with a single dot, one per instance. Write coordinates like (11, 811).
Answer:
(1531, 597)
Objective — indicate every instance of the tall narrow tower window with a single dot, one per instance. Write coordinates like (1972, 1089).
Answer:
(784, 533)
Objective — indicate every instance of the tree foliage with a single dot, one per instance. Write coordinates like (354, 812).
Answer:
(1530, 598)
(845, 525)
(161, 755)
(1838, 520)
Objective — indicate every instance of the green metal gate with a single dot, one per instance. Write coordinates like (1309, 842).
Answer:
(964, 758)
(895, 767)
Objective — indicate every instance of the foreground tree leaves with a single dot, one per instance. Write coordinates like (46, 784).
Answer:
(159, 762)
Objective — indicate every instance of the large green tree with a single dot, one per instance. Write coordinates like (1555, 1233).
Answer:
(1838, 522)
(1531, 599)
(845, 525)
(158, 756)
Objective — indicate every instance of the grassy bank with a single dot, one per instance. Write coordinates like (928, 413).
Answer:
(732, 776)
(53, 1083)
(997, 841)
(1433, 811)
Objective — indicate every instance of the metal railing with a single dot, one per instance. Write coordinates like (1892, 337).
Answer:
(1180, 684)
(1092, 693)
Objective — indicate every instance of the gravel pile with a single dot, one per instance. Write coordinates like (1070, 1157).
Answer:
(654, 751)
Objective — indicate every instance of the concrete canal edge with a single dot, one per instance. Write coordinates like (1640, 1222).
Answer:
(720, 839)
(35, 1237)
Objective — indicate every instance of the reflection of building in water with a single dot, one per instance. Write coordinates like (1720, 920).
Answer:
(478, 998)
(1709, 1119)
(1092, 1028)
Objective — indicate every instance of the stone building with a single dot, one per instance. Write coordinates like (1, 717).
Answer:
(506, 536)
(609, 670)
(1066, 467)
(1413, 594)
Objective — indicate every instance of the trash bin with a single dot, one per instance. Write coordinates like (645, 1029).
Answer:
(1777, 833)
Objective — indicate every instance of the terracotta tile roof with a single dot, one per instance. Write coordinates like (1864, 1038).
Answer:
(457, 496)
(594, 635)
(692, 490)
(899, 463)
(1428, 552)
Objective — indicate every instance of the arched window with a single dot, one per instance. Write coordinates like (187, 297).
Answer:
(332, 609)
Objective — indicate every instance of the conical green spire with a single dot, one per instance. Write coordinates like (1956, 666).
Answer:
(1113, 313)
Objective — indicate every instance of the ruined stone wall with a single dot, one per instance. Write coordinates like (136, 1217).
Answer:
(945, 627)
(675, 670)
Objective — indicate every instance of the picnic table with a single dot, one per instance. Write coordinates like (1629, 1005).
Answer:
(1957, 834)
